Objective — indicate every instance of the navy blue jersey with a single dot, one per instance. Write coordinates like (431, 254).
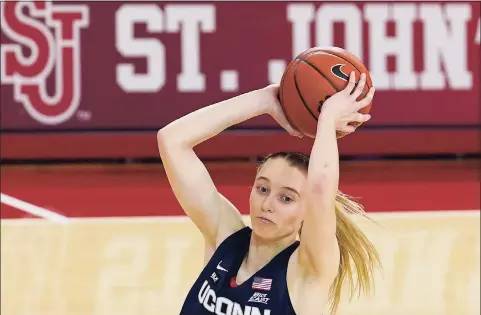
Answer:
(216, 291)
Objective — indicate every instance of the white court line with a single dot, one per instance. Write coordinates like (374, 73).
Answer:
(32, 209)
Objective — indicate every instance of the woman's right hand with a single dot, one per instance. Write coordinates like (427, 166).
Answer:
(274, 109)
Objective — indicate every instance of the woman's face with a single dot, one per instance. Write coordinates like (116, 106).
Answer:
(276, 209)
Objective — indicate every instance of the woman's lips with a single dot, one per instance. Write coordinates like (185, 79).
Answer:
(265, 220)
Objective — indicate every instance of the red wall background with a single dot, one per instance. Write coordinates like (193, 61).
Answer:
(116, 191)
(93, 114)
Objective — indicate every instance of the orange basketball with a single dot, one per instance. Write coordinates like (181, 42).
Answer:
(311, 78)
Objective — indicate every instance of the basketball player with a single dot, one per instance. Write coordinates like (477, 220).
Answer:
(266, 270)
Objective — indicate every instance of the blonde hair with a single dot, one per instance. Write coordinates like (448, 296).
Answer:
(358, 256)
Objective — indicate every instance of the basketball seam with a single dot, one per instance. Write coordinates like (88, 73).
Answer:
(318, 71)
(281, 97)
(300, 94)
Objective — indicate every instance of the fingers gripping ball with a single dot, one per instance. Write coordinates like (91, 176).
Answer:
(311, 78)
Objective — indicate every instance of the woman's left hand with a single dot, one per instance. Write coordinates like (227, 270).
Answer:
(344, 108)
(275, 110)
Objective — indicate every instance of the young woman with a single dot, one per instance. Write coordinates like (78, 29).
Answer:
(266, 270)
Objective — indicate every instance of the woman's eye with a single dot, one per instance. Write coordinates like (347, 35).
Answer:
(286, 199)
(262, 189)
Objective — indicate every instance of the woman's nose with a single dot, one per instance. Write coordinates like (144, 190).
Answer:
(267, 205)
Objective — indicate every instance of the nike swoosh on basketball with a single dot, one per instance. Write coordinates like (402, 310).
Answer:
(336, 70)
(220, 268)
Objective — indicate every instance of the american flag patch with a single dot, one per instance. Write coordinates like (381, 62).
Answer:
(262, 284)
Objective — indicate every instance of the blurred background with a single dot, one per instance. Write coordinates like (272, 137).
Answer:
(89, 224)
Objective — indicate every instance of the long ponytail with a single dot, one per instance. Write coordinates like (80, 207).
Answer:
(359, 257)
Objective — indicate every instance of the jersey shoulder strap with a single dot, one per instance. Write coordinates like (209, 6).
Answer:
(236, 240)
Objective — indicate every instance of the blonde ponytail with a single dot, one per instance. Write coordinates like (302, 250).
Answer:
(359, 257)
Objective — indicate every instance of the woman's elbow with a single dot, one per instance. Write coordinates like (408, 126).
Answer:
(161, 139)
(169, 139)
(165, 140)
